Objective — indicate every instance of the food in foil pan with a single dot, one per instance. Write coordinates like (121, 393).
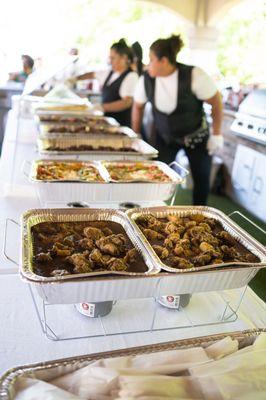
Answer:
(70, 171)
(73, 119)
(82, 247)
(136, 171)
(86, 147)
(93, 127)
(192, 241)
(63, 107)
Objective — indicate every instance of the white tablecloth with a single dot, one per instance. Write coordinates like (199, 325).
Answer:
(21, 339)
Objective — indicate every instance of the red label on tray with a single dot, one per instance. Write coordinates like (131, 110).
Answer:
(170, 299)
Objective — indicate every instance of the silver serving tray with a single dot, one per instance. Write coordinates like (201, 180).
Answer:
(228, 225)
(111, 131)
(60, 115)
(141, 148)
(106, 190)
(34, 217)
(50, 370)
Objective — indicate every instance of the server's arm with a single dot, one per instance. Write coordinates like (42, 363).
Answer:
(137, 116)
(118, 105)
(216, 113)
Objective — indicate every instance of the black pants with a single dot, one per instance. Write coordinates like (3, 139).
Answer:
(200, 165)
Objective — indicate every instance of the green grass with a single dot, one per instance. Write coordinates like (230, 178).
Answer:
(258, 283)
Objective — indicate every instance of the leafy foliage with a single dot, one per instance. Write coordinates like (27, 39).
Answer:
(241, 50)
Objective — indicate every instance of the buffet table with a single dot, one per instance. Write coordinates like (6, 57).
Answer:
(21, 338)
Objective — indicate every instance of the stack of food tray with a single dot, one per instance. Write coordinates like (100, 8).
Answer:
(72, 125)
(92, 137)
(91, 148)
(68, 260)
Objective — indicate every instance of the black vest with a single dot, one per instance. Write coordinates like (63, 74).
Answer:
(188, 115)
(110, 93)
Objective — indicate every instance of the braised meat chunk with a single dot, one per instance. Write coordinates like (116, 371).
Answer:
(93, 233)
(43, 257)
(162, 252)
(117, 264)
(113, 244)
(189, 241)
(152, 235)
(80, 262)
(83, 247)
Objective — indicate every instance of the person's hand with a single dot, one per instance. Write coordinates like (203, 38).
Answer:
(214, 144)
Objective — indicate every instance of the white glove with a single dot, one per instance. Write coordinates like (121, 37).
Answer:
(214, 144)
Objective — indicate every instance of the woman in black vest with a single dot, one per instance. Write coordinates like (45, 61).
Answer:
(118, 84)
(177, 92)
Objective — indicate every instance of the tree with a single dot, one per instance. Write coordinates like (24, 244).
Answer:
(241, 50)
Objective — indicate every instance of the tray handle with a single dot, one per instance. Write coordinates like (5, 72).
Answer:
(5, 240)
(183, 172)
(247, 219)
(26, 169)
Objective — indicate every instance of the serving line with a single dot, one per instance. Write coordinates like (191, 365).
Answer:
(22, 341)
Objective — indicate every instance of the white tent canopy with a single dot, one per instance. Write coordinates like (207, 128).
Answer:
(200, 13)
(201, 18)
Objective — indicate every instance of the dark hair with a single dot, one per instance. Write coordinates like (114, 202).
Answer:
(137, 56)
(137, 50)
(28, 60)
(122, 49)
(168, 48)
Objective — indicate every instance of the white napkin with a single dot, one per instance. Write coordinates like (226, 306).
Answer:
(222, 348)
(163, 362)
(248, 385)
(89, 382)
(153, 398)
(158, 385)
(244, 362)
(33, 389)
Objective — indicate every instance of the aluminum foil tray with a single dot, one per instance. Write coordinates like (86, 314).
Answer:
(67, 191)
(108, 190)
(144, 190)
(61, 116)
(34, 217)
(76, 288)
(74, 112)
(34, 170)
(140, 149)
(111, 131)
(50, 370)
(228, 225)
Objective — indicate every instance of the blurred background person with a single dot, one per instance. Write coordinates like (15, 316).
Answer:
(137, 55)
(27, 69)
(117, 84)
